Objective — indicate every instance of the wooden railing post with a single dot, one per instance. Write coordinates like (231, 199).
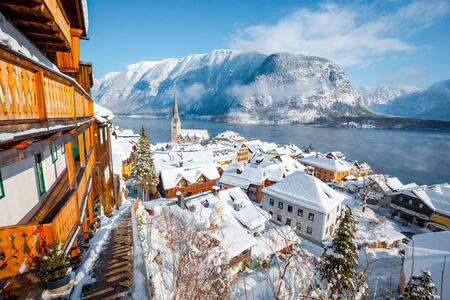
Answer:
(71, 165)
(40, 97)
(81, 148)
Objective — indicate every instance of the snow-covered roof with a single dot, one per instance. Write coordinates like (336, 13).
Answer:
(327, 163)
(102, 114)
(249, 214)
(125, 133)
(394, 183)
(248, 175)
(231, 136)
(190, 172)
(429, 251)
(437, 197)
(307, 191)
(191, 133)
(127, 146)
(274, 240)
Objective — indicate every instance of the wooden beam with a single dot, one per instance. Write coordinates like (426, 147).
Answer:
(51, 136)
(15, 144)
(29, 4)
(43, 31)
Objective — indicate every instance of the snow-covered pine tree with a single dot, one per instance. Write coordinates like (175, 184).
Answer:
(420, 288)
(143, 167)
(338, 264)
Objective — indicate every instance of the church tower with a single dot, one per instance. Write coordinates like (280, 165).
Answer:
(176, 123)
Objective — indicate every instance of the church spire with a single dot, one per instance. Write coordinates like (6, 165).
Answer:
(176, 123)
(175, 106)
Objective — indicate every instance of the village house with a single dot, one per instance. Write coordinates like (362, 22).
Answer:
(236, 142)
(335, 155)
(327, 169)
(360, 169)
(54, 145)
(426, 206)
(249, 178)
(306, 204)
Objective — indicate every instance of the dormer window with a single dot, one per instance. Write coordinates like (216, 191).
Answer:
(181, 184)
(201, 179)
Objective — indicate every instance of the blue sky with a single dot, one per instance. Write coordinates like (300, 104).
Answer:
(387, 42)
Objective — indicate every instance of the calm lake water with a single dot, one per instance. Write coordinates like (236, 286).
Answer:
(412, 156)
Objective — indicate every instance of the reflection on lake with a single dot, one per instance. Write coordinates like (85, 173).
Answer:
(412, 156)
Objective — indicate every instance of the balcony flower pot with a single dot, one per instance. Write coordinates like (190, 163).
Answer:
(53, 268)
(58, 286)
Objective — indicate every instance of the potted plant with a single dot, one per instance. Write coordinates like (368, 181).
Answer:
(54, 269)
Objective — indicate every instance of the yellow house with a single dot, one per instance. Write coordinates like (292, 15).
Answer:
(327, 169)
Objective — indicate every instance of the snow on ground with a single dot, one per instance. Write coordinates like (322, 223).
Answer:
(378, 263)
(96, 245)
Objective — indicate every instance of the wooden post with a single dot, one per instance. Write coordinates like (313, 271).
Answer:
(40, 96)
(85, 230)
(71, 165)
(91, 211)
(81, 150)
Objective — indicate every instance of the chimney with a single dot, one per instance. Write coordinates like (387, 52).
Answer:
(180, 200)
(181, 163)
(215, 191)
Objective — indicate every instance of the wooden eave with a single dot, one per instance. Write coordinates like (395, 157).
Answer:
(74, 11)
(36, 21)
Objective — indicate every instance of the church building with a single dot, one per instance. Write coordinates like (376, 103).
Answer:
(183, 136)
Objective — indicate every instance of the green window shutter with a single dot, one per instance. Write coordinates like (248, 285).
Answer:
(2, 190)
(40, 174)
(54, 154)
(84, 144)
(63, 149)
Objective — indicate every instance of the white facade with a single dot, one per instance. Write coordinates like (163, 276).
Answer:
(21, 188)
(305, 203)
(317, 227)
(21, 191)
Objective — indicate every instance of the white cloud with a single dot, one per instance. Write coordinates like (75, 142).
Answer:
(343, 34)
(404, 76)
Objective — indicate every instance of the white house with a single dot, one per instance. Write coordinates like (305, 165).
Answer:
(306, 204)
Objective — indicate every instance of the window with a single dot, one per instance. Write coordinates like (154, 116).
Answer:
(181, 184)
(324, 171)
(201, 179)
(290, 208)
(410, 202)
(271, 213)
(328, 217)
(271, 201)
(54, 152)
(326, 231)
(280, 205)
(331, 173)
(106, 133)
(421, 205)
(2, 191)
(135, 191)
(323, 178)
(300, 212)
(400, 198)
(299, 226)
(63, 150)
(288, 222)
(337, 209)
(40, 174)
(101, 136)
(311, 217)
(309, 230)
(279, 219)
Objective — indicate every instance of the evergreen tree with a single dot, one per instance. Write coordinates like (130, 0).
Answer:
(339, 262)
(143, 167)
(420, 288)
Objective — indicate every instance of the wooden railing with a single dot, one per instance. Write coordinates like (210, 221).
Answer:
(16, 242)
(61, 20)
(31, 94)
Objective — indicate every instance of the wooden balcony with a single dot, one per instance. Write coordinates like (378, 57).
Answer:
(33, 96)
(56, 220)
(44, 22)
(240, 258)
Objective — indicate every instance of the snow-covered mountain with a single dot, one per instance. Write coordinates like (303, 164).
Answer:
(382, 94)
(433, 103)
(244, 86)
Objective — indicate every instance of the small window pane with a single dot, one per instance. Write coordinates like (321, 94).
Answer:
(309, 230)
(290, 208)
(280, 205)
(311, 217)
(271, 201)
(300, 212)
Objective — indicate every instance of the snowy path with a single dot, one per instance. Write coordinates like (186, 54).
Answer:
(115, 232)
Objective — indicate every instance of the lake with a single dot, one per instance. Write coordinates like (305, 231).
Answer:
(412, 156)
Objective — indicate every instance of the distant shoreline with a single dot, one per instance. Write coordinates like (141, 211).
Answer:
(383, 123)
